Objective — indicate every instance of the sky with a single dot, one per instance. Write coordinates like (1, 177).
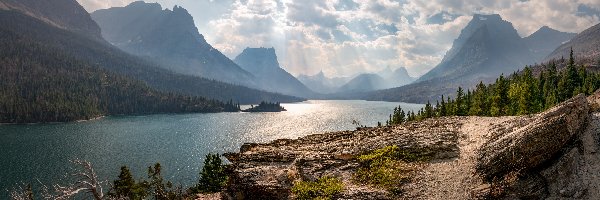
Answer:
(347, 37)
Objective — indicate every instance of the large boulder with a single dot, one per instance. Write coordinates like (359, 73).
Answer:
(530, 146)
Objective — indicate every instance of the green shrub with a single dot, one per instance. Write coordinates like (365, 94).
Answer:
(324, 188)
(390, 167)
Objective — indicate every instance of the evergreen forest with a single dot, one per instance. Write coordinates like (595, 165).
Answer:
(521, 93)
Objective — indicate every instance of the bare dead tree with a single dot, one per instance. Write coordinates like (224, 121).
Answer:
(86, 182)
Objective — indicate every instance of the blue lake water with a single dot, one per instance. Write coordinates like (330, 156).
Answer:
(40, 153)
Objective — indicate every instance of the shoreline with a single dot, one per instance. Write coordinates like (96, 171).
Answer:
(37, 123)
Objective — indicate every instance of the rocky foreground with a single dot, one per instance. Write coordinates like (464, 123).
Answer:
(551, 155)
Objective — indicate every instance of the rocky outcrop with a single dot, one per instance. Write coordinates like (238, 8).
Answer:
(551, 155)
(268, 171)
(529, 146)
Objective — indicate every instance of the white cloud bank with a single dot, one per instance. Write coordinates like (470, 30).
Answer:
(345, 37)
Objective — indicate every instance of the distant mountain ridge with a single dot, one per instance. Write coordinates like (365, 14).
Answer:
(545, 40)
(170, 38)
(386, 78)
(586, 47)
(397, 77)
(487, 47)
(363, 83)
(321, 83)
(263, 64)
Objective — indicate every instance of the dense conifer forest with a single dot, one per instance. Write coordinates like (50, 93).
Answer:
(100, 54)
(40, 83)
(521, 93)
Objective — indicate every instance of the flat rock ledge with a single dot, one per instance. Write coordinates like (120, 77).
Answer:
(268, 171)
(551, 155)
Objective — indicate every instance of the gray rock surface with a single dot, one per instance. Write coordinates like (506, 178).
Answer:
(551, 155)
(268, 171)
(530, 146)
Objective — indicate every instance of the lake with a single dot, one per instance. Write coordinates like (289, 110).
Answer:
(41, 152)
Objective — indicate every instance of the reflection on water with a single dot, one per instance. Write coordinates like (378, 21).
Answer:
(178, 142)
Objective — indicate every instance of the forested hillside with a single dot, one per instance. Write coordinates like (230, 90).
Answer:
(99, 54)
(519, 94)
(39, 83)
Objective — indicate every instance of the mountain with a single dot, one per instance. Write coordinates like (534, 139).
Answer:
(545, 40)
(586, 47)
(170, 38)
(42, 83)
(364, 83)
(321, 83)
(386, 78)
(396, 78)
(263, 64)
(100, 55)
(64, 14)
(486, 48)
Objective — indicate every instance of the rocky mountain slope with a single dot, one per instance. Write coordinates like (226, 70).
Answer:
(487, 47)
(170, 38)
(586, 47)
(65, 14)
(263, 64)
(551, 155)
(545, 40)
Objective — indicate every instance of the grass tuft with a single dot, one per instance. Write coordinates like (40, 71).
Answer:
(390, 167)
(324, 188)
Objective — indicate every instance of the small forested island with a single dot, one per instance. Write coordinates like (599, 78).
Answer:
(266, 107)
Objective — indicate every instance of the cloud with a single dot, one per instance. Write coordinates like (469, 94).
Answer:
(93, 5)
(347, 37)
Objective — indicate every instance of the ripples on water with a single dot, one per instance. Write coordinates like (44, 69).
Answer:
(179, 142)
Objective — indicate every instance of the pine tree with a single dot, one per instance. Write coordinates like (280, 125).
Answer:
(442, 108)
(569, 80)
(126, 186)
(500, 97)
(478, 106)
(459, 102)
(212, 176)
(428, 110)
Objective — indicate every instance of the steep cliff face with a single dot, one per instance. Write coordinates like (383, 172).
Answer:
(263, 64)
(170, 38)
(548, 155)
(486, 47)
(65, 14)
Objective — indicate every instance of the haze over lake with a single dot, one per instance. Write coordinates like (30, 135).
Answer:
(178, 142)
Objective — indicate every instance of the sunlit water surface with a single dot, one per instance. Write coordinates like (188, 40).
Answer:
(41, 153)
